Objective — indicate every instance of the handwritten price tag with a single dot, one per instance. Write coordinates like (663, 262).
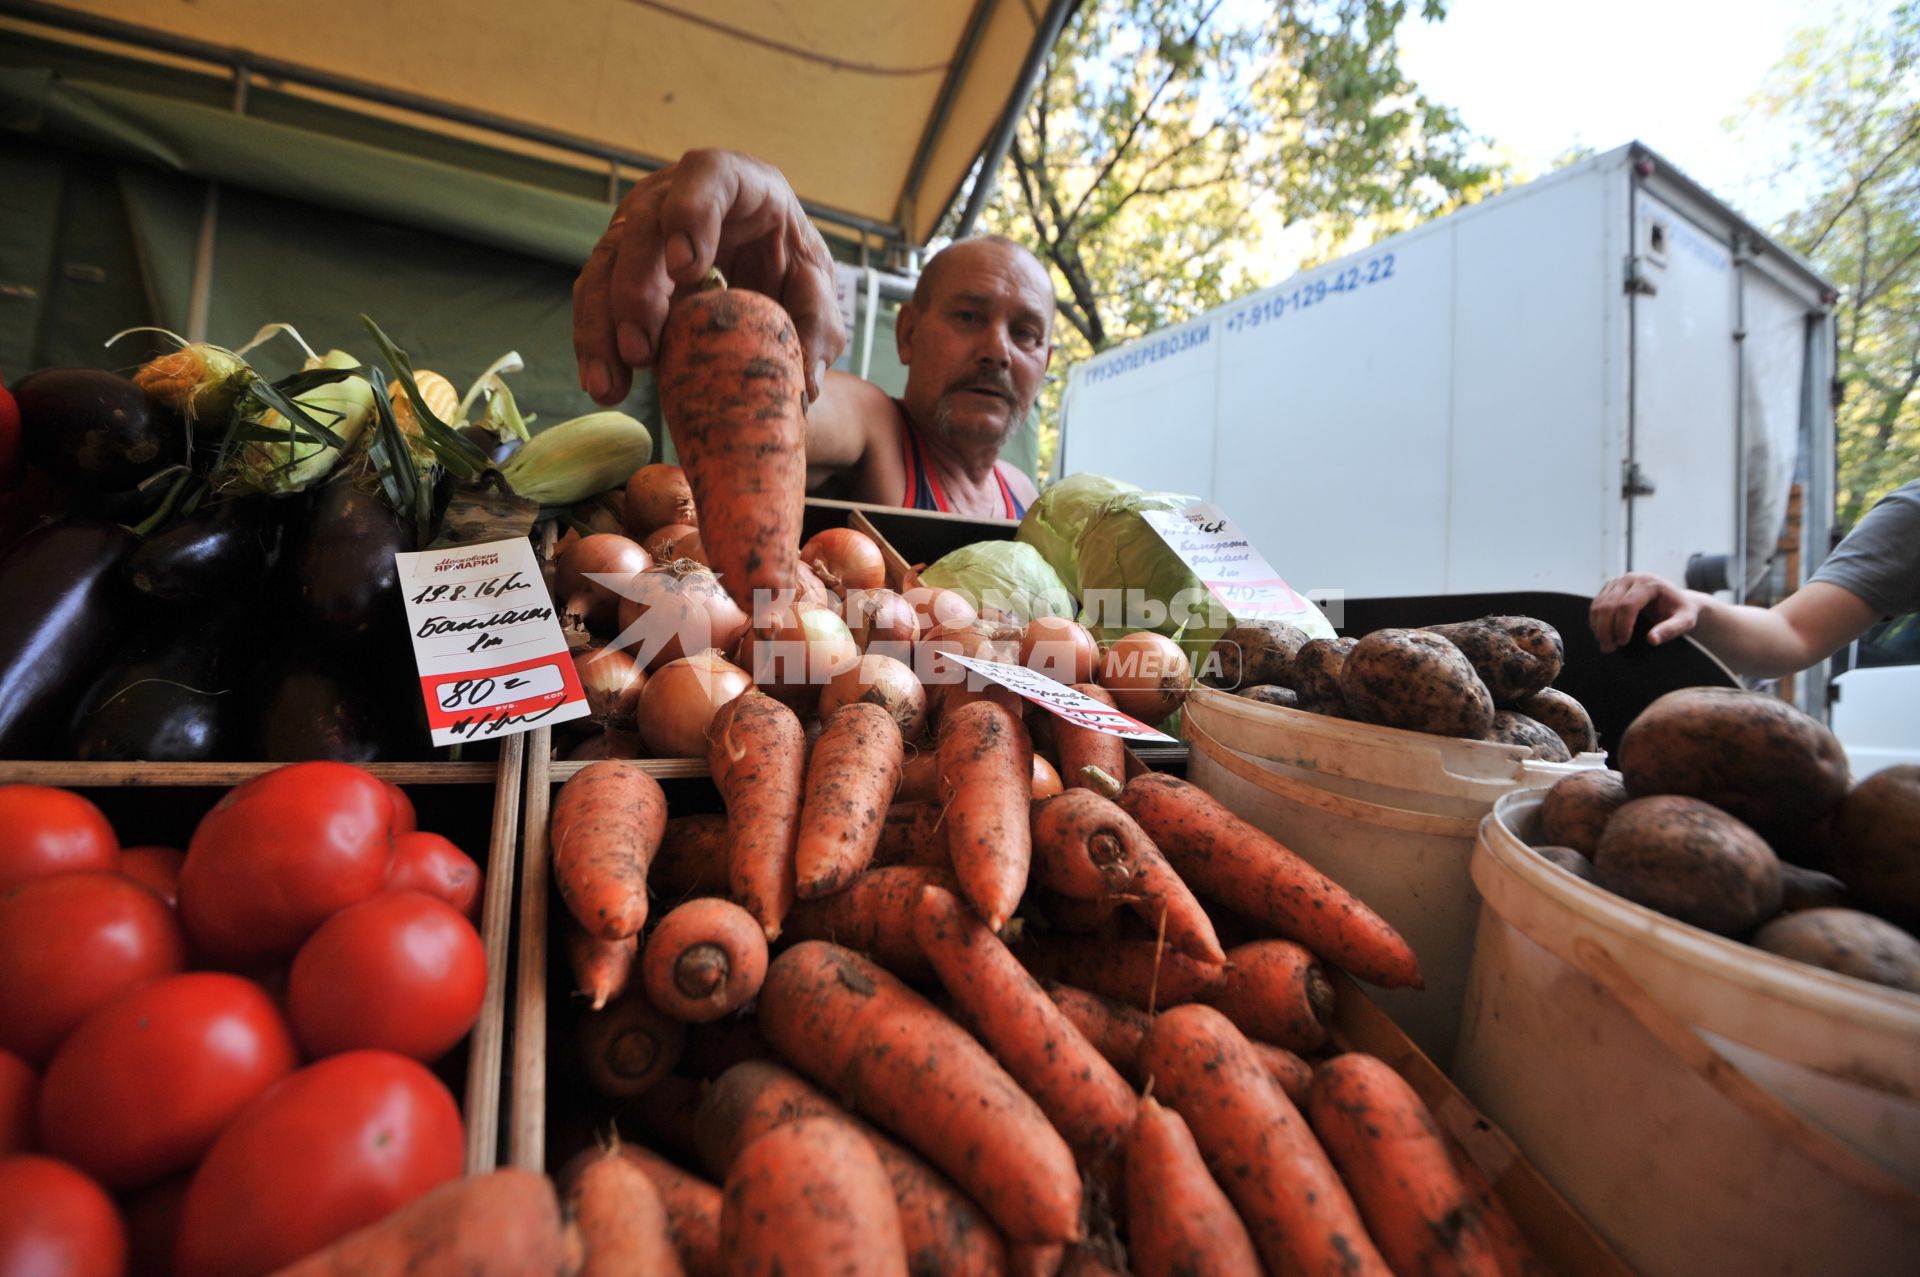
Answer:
(1075, 707)
(488, 646)
(1227, 564)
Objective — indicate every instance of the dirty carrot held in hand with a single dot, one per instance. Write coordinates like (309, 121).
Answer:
(850, 782)
(756, 750)
(606, 825)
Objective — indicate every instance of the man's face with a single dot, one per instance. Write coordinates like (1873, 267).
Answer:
(977, 353)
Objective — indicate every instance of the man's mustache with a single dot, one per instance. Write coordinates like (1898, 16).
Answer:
(1000, 385)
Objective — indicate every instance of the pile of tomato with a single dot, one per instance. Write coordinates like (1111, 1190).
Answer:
(217, 1061)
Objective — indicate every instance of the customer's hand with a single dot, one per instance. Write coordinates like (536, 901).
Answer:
(710, 208)
(1618, 606)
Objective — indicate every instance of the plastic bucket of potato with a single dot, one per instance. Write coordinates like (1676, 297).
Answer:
(1390, 815)
(1709, 1107)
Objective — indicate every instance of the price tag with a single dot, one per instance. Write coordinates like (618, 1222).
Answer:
(1227, 564)
(488, 646)
(1075, 707)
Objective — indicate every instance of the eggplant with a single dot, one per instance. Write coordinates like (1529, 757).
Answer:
(168, 697)
(311, 706)
(220, 553)
(347, 584)
(64, 605)
(97, 430)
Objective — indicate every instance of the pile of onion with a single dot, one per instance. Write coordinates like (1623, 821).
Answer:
(795, 658)
(846, 559)
(656, 496)
(681, 698)
(612, 680)
(677, 541)
(1060, 648)
(881, 616)
(883, 681)
(1147, 673)
(676, 609)
(594, 603)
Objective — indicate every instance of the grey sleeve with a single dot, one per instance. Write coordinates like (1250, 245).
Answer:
(1880, 559)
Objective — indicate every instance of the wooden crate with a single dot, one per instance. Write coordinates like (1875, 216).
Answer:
(477, 805)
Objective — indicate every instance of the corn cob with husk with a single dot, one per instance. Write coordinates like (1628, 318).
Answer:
(578, 459)
(200, 381)
(278, 457)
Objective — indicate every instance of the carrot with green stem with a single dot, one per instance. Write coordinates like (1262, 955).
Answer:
(732, 391)
(1080, 1092)
(1394, 1161)
(704, 960)
(1179, 1222)
(1082, 747)
(810, 1196)
(601, 968)
(606, 825)
(1276, 992)
(622, 1221)
(851, 778)
(945, 1234)
(874, 915)
(986, 770)
(1258, 1146)
(1086, 848)
(756, 750)
(1228, 861)
(866, 1037)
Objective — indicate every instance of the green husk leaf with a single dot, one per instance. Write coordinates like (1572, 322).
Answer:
(460, 455)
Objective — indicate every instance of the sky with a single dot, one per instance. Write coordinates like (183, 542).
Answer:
(1537, 77)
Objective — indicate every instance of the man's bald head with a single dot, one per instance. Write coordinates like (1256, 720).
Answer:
(972, 248)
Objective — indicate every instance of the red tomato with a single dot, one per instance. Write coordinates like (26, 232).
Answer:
(53, 1219)
(69, 945)
(401, 972)
(404, 820)
(18, 1086)
(141, 1088)
(48, 831)
(280, 855)
(156, 867)
(427, 862)
(333, 1148)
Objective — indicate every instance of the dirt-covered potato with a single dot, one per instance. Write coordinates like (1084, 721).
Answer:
(1515, 656)
(1513, 728)
(1691, 861)
(1803, 888)
(1570, 860)
(1316, 675)
(1417, 680)
(1578, 807)
(1253, 652)
(1564, 715)
(1848, 941)
(1749, 754)
(1269, 694)
(1874, 846)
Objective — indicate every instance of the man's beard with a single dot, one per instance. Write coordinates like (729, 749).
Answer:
(943, 409)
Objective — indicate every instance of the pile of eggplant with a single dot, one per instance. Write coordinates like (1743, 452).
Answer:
(159, 600)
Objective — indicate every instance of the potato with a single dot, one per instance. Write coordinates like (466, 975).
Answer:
(1269, 694)
(1578, 807)
(1691, 861)
(1568, 859)
(1316, 675)
(1417, 680)
(1874, 846)
(1749, 754)
(1848, 941)
(1513, 728)
(1564, 715)
(1810, 889)
(1515, 656)
(1253, 652)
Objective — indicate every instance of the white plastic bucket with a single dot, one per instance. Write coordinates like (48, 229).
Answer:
(1708, 1107)
(1390, 815)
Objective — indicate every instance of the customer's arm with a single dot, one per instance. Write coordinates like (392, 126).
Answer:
(1799, 631)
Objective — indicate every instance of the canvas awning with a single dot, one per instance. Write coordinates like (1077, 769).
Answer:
(876, 112)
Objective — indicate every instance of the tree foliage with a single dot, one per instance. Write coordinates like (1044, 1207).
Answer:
(1850, 93)
(1170, 143)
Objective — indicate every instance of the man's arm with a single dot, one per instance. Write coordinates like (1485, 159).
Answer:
(1802, 629)
(852, 429)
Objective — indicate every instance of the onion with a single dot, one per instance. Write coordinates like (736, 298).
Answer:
(682, 697)
(599, 554)
(614, 742)
(677, 541)
(1046, 780)
(981, 639)
(805, 649)
(676, 609)
(936, 606)
(658, 495)
(809, 588)
(882, 681)
(1147, 673)
(1059, 648)
(612, 680)
(881, 616)
(846, 559)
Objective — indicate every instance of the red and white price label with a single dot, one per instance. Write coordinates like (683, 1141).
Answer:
(1075, 707)
(488, 645)
(1227, 564)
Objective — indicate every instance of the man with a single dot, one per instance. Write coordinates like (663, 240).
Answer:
(976, 338)
(1873, 573)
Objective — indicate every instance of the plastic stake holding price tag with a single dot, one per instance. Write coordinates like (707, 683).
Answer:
(1075, 707)
(1227, 564)
(487, 643)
